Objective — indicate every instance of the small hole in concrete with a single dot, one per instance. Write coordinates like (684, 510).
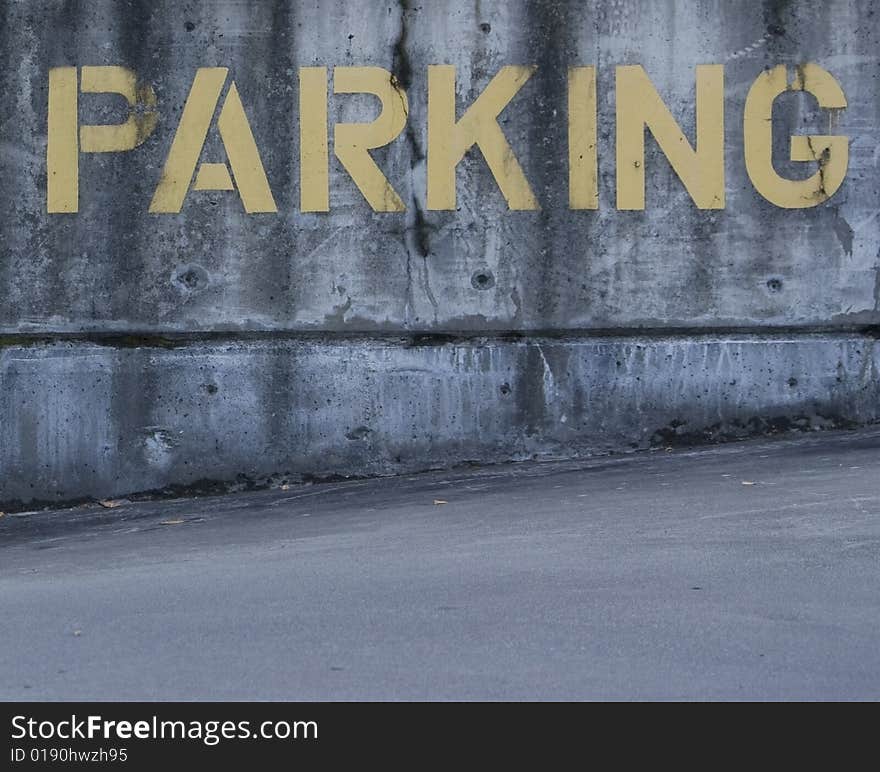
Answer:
(774, 285)
(190, 278)
(505, 388)
(482, 280)
(189, 26)
(792, 382)
(485, 28)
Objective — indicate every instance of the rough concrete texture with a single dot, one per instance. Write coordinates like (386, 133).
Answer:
(800, 289)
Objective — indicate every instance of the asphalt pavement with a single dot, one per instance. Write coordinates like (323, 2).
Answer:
(743, 571)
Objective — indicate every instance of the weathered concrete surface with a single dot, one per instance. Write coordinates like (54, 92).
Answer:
(83, 419)
(647, 576)
(99, 420)
(113, 266)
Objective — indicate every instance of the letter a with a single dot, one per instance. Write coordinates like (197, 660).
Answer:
(237, 139)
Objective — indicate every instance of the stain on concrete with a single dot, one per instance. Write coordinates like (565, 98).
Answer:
(844, 232)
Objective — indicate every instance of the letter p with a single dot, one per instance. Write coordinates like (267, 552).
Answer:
(66, 138)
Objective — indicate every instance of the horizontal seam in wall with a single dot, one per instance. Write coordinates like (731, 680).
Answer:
(180, 339)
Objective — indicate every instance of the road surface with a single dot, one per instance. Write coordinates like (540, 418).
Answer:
(737, 572)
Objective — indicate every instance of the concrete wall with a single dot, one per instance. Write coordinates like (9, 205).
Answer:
(143, 351)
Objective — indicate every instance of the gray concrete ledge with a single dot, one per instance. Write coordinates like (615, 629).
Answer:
(81, 420)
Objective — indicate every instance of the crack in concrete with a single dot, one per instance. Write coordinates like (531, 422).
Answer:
(417, 230)
(877, 284)
(822, 160)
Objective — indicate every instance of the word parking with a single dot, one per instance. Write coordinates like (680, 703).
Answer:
(699, 166)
